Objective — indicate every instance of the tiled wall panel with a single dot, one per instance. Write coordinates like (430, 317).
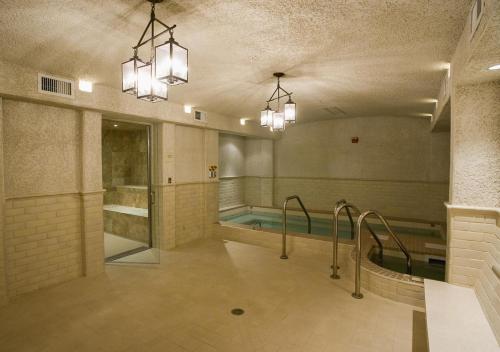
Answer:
(473, 252)
(42, 241)
(409, 200)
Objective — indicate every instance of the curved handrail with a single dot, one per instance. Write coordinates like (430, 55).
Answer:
(283, 238)
(357, 289)
(341, 204)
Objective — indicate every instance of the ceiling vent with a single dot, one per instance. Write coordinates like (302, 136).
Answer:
(476, 15)
(200, 116)
(53, 85)
(335, 111)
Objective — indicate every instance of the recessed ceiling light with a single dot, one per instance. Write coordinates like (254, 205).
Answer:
(85, 86)
(187, 109)
(115, 125)
(494, 67)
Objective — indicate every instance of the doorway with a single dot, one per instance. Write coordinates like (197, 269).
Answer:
(128, 198)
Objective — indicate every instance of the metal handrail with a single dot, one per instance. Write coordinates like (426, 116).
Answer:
(283, 238)
(341, 204)
(357, 289)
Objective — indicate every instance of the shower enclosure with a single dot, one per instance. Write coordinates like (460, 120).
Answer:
(128, 198)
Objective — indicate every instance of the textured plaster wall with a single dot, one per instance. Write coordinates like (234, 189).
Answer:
(474, 209)
(389, 148)
(41, 149)
(3, 283)
(53, 203)
(189, 154)
(21, 82)
(476, 152)
(398, 166)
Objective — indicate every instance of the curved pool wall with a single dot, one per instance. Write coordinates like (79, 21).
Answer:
(376, 279)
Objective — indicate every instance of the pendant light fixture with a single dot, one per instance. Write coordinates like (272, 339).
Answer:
(167, 63)
(279, 118)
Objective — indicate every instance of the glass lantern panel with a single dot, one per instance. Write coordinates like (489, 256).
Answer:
(179, 62)
(162, 61)
(270, 117)
(263, 118)
(144, 84)
(160, 90)
(278, 121)
(290, 112)
(128, 76)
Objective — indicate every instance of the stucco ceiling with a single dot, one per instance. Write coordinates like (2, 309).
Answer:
(352, 57)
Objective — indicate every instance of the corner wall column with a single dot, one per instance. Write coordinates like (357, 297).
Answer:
(3, 283)
(164, 185)
(211, 185)
(92, 194)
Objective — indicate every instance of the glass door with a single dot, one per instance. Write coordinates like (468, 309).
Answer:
(129, 236)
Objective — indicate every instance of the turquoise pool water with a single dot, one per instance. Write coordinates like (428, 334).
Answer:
(434, 271)
(319, 226)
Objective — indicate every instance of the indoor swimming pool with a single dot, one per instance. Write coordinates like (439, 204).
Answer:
(321, 224)
(431, 269)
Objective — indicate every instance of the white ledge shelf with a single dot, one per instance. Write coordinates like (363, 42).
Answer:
(126, 210)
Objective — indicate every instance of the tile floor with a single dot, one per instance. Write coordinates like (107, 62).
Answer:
(184, 304)
(114, 244)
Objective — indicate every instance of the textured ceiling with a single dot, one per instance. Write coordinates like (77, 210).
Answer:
(341, 57)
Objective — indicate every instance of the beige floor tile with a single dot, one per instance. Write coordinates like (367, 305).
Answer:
(184, 304)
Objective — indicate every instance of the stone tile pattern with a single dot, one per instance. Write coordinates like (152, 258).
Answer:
(410, 200)
(124, 157)
(246, 190)
(474, 247)
(380, 281)
(259, 191)
(93, 236)
(131, 196)
(129, 226)
(43, 239)
(196, 210)
(232, 192)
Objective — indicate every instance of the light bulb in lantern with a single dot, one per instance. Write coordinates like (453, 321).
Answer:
(171, 61)
(266, 117)
(129, 75)
(278, 121)
(290, 114)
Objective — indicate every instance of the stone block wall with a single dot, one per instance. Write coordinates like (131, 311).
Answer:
(408, 200)
(473, 253)
(43, 243)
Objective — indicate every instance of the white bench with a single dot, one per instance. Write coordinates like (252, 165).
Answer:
(455, 320)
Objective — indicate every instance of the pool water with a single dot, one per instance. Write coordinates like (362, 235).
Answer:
(434, 271)
(319, 226)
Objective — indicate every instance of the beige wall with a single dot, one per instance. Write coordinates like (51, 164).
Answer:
(3, 283)
(246, 171)
(39, 142)
(192, 196)
(53, 226)
(53, 195)
(389, 148)
(232, 155)
(474, 209)
(398, 166)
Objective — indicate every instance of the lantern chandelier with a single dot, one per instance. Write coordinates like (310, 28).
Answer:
(167, 64)
(277, 119)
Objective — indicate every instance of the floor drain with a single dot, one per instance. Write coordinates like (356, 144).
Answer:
(237, 311)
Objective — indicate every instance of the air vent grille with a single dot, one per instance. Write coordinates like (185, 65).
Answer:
(53, 85)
